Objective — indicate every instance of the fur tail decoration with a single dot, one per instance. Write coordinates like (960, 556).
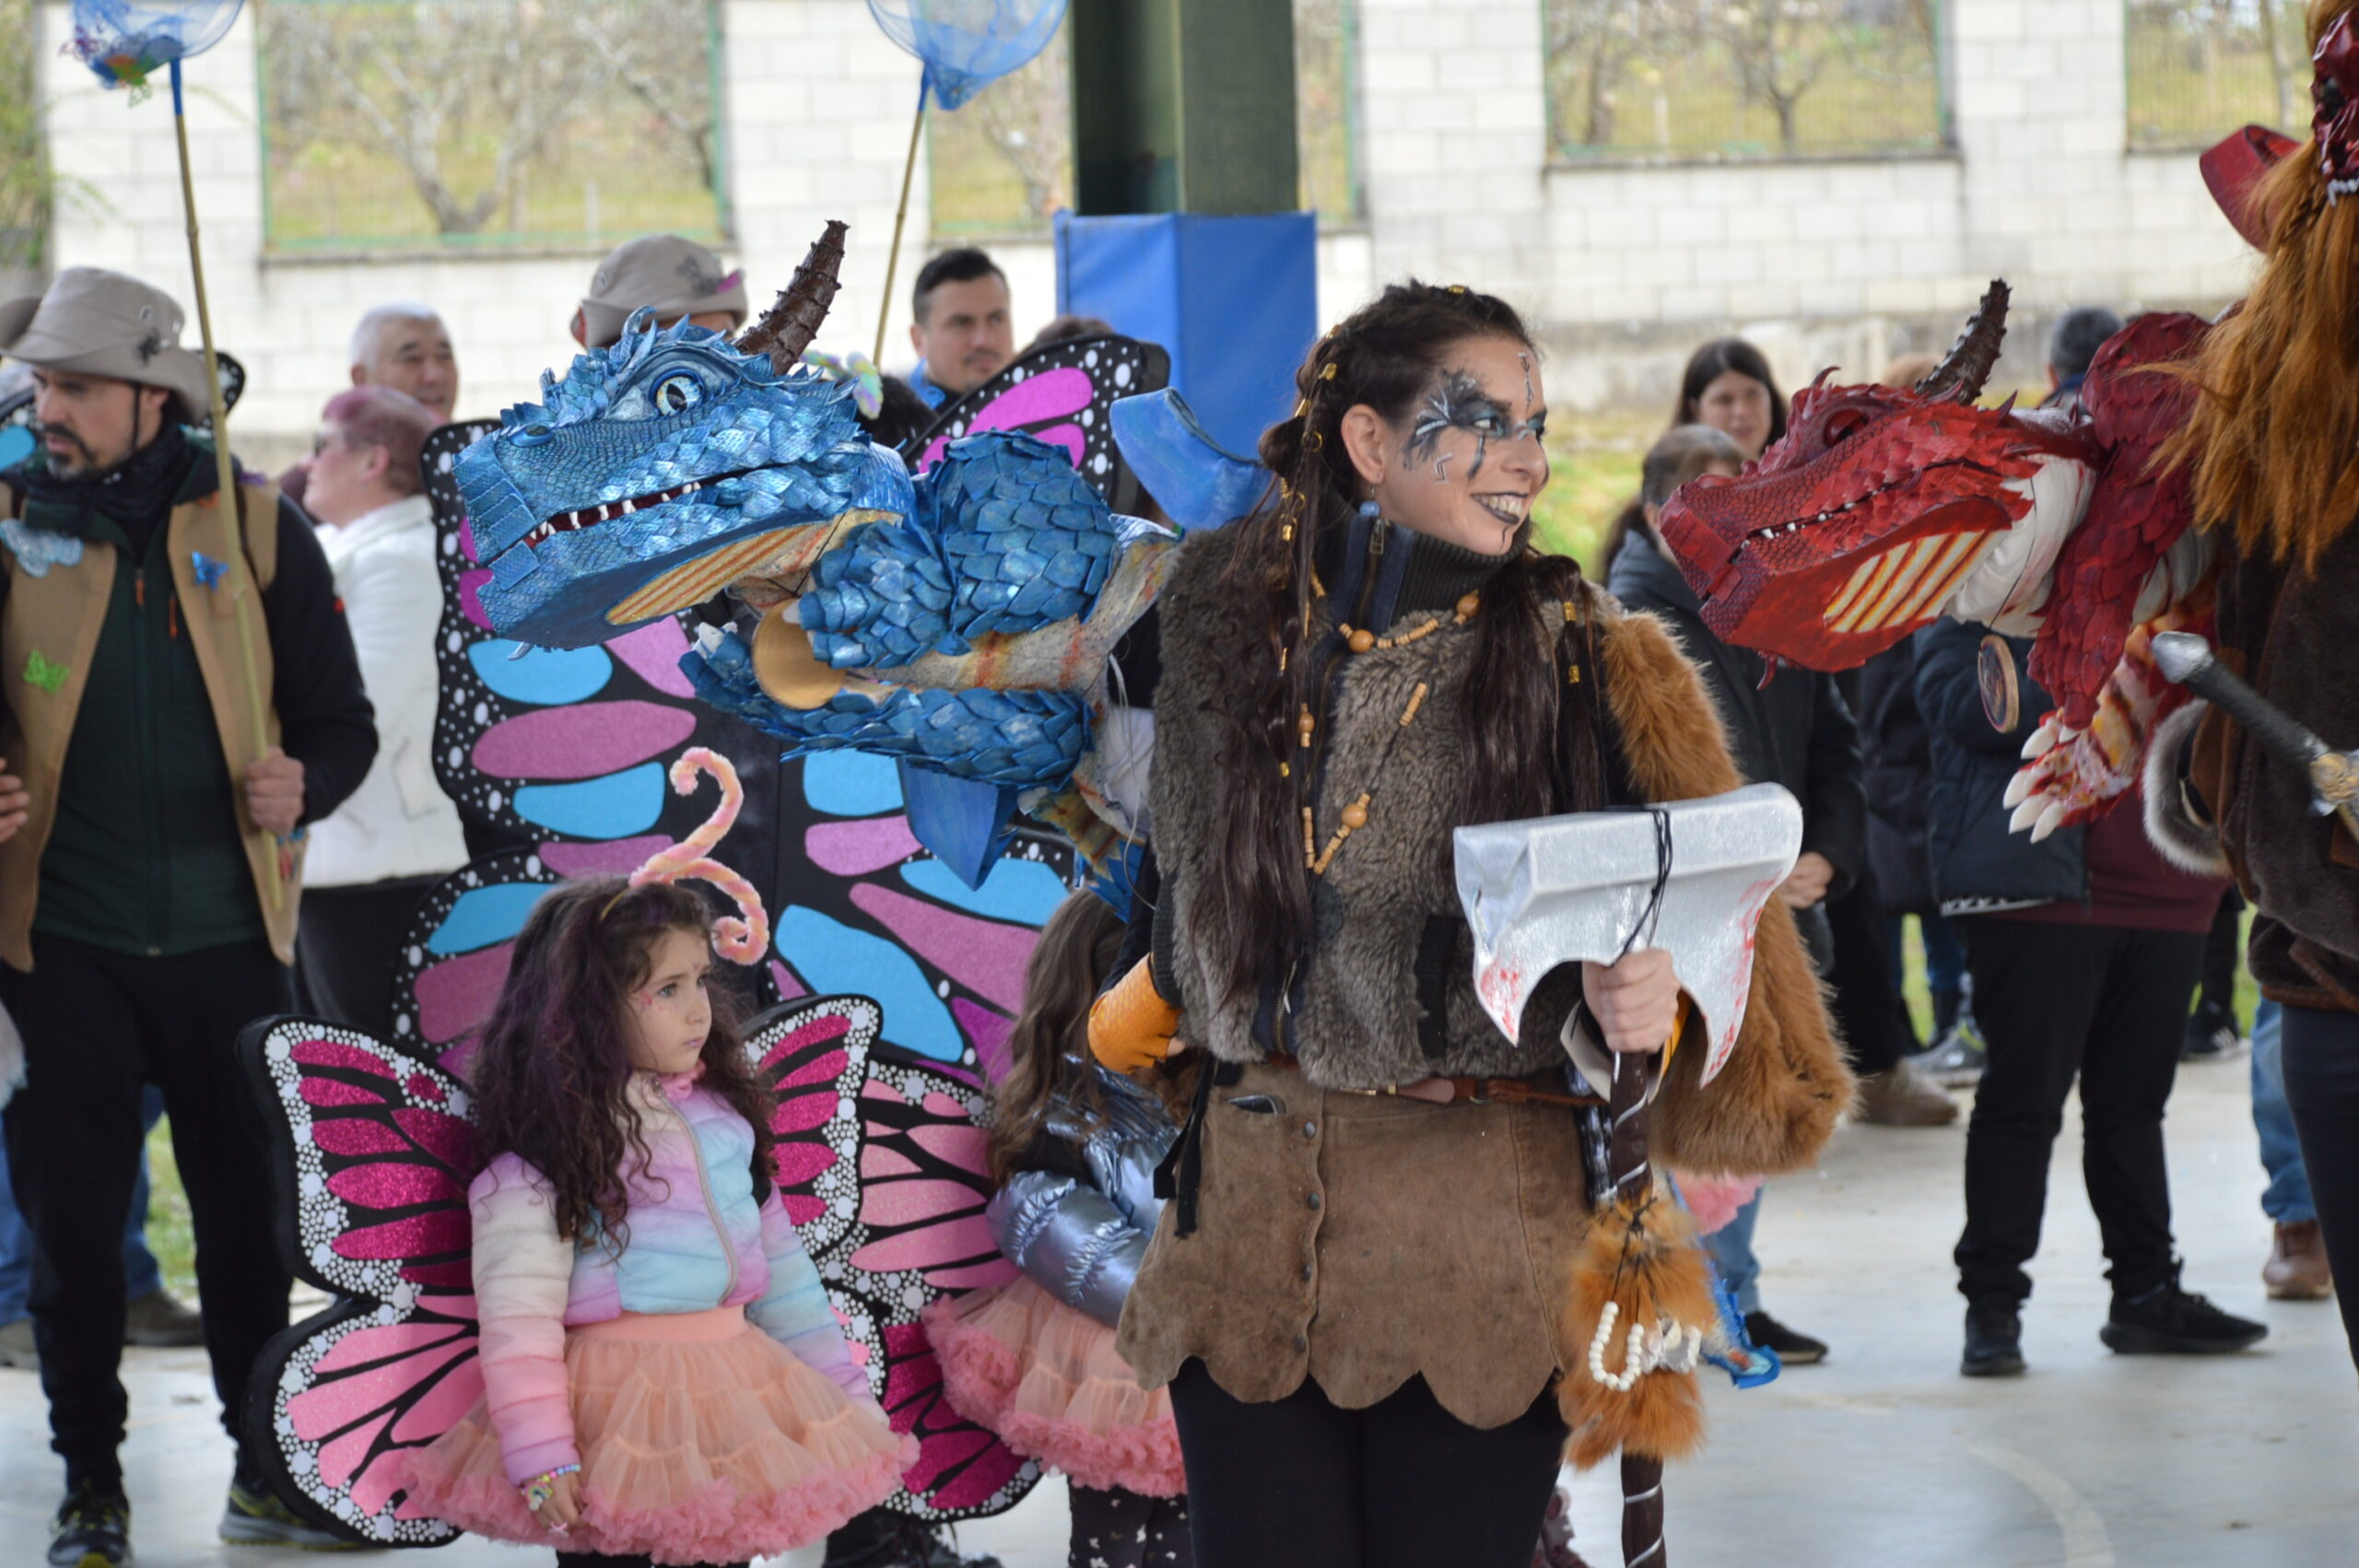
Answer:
(741, 937)
(1641, 1317)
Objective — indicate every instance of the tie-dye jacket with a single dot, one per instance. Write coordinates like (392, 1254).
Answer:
(695, 1239)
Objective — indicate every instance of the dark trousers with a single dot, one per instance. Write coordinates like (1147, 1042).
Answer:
(1122, 1529)
(2222, 948)
(1866, 1005)
(2322, 1061)
(346, 947)
(607, 1560)
(2109, 1005)
(1300, 1482)
(99, 1026)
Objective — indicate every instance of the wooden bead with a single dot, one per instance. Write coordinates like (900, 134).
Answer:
(1361, 640)
(1468, 605)
(1355, 816)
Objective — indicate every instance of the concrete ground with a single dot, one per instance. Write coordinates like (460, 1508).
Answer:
(1883, 1456)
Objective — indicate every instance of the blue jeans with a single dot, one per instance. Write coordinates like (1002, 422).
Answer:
(140, 1275)
(2287, 1199)
(1731, 1247)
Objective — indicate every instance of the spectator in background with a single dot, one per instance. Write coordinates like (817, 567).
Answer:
(397, 834)
(149, 866)
(1727, 385)
(1064, 329)
(961, 324)
(2072, 342)
(2083, 951)
(2211, 1032)
(2296, 1270)
(401, 344)
(675, 277)
(1794, 731)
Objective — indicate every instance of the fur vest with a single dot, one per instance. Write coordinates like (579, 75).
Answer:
(1387, 995)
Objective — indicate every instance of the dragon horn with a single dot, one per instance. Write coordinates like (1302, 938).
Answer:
(1968, 363)
(787, 328)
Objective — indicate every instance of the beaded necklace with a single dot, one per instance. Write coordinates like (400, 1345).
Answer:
(1354, 816)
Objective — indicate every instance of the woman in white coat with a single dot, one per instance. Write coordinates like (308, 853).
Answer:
(370, 863)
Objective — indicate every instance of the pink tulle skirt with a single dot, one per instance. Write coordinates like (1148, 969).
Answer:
(702, 1440)
(1048, 1380)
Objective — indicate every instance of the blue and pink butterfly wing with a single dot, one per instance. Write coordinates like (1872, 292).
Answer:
(371, 1152)
(1060, 392)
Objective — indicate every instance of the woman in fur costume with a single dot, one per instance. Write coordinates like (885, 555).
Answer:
(1359, 1295)
(2273, 444)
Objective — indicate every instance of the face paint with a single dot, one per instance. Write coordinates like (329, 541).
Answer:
(1458, 403)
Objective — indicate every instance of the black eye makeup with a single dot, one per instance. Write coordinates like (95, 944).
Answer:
(1458, 403)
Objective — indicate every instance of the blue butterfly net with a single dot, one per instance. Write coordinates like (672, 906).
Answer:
(967, 44)
(124, 41)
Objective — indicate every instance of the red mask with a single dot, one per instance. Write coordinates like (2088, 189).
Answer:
(2335, 91)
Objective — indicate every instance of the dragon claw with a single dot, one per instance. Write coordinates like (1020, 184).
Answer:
(2049, 821)
(2027, 812)
(2019, 790)
(2043, 739)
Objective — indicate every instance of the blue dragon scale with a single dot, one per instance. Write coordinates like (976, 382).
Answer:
(961, 622)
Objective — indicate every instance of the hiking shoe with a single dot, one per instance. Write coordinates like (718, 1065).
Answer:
(2167, 1320)
(253, 1516)
(1902, 1096)
(1994, 1339)
(16, 1347)
(1956, 1061)
(1793, 1348)
(2296, 1269)
(159, 1320)
(92, 1530)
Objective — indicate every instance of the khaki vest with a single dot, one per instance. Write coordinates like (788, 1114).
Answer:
(64, 609)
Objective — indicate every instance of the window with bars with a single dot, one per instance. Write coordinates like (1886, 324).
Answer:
(2198, 69)
(423, 124)
(1677, 81)
(1002, 162)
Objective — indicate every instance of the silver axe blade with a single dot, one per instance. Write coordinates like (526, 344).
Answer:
(1562, 890)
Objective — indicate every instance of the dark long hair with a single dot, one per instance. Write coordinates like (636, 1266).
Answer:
(1386, 355)
(1708, 363)
(1049, 1047)
(554, 1067)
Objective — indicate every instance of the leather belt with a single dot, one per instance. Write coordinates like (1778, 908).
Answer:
(1440, 1091)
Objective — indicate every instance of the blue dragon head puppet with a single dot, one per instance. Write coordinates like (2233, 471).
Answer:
(669, 465)
(961, 624)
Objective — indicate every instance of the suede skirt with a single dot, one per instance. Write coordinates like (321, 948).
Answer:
(1362, 1240)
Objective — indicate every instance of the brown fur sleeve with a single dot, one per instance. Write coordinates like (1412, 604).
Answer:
(1784, 1084)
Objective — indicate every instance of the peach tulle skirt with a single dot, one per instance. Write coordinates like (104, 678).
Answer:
(1048, 1380)
(702, 1440)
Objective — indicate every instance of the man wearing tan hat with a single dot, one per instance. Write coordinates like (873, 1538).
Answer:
(674, 276)
(151, 850)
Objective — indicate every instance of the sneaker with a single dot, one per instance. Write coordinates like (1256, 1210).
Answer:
(1956, 1061)
(253, 1516)
(2167, 1320)
(880, 1539)
(1793, 1349)
(92, 1530)
(159, 1320)
(2211, 1037)
(16, 1347)
(2296, 1269)
(1994, 1339)
(1902, 1096)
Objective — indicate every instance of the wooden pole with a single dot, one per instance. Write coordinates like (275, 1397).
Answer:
(1626, 1168)
(900, 217)
(234, 577)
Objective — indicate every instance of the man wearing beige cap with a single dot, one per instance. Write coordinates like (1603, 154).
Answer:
(151, 850)
(673, 277)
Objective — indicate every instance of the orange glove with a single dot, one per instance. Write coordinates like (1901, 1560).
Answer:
(1131, 1026)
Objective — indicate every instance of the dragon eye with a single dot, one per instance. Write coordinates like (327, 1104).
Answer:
(1844, 425)
(675, 394)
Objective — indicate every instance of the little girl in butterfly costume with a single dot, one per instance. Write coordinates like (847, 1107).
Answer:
(1075, 1148)
(664, 1378)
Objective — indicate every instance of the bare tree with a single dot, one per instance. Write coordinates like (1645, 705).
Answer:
(1593, 42)
(1781, 48)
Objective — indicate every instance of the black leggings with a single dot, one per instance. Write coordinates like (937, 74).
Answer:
(1123, 1529)
(2321, 1058)
(1300, 1482)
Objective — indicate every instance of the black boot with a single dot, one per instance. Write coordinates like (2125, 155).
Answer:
(882, 1539)
(1994, 1338)
(2167, 1320)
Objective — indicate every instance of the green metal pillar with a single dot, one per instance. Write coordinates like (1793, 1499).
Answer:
(1183, 106)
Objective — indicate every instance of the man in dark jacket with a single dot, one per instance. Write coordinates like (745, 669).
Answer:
(178, 697)
(2083, 951)
(1795, 730)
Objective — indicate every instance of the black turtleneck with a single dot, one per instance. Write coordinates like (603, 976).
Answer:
(1395, 571)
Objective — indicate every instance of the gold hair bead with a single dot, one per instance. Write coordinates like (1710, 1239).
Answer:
(1328, 374)
(1572, 674)
(1301, 407)
(1315, 441)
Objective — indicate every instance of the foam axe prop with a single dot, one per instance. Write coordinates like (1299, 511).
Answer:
(1690, 878)
(2186, 660)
